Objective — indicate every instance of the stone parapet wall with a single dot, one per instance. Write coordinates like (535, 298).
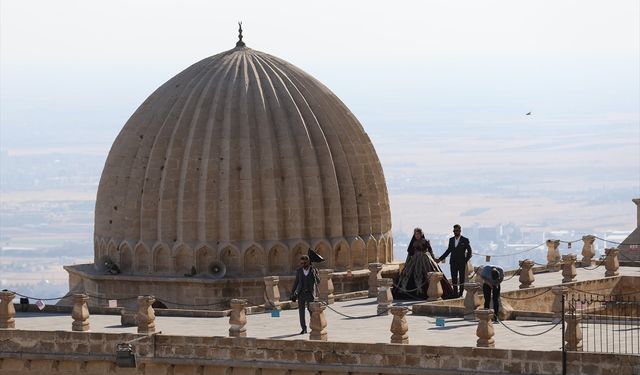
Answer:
(36, 352)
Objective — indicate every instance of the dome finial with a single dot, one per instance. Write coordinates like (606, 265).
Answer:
(240, 43)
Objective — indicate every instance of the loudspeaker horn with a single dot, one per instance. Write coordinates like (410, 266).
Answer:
(217, 269)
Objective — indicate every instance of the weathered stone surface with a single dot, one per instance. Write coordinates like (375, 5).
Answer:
(238, 318)
(526, 274)
(80, 313)
(399, 326)
(318, 322)
(146, 316)
(7, 310)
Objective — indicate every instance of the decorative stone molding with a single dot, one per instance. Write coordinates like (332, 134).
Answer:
(588, 250)
(146, 317)
(80, 313)
(526, 274)
(272, 293)
(7, 311)
(611, 262)
(553, 255)
(485, 328)
(238, 318)
(556, 306)
(434, 292)
(318, 322)
(399, 326)
(326, 286)
(375, 274)
(471, 300)
(385, 298)
(573, 332)
(569, 268)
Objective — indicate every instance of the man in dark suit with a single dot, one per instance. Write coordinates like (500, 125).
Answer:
(460, 251)
(304, 288)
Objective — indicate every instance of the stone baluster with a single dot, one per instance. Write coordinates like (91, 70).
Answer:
(611, 262)
(375, 274)
(485, 328)
(553, 255)
(7, 310)
(318, 322)
(146, 317)
(556, 306)
(573, 332)
(238, 318)
(385, 298)
(471, 300)
(326, 286)
(469, 269)
(588, 250)
(272, 295)
(434, 292)
(399, 326)
(526, 273)
(80, 313)
(569, 268)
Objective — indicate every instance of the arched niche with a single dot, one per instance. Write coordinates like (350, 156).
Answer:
(142, 259)
(382, 251)
(112, 252)
(297, 251)
(204, 256)
(324, 250)
(358, 254)
(372, 251)
(341, 256)
(389, 248)
(161, 260)
(126, 258)
(183, 260)
(278, 263)
(230, 256)
(254, 261)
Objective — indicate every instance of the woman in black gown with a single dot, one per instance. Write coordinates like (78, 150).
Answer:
(414, 280)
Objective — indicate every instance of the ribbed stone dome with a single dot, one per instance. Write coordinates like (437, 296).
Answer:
(245, 159)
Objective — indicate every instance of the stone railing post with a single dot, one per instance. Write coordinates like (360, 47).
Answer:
(611, 262)
(556, 307)
(7, 311)
(318, 323)
(526, 273)
(385, 298)
(471, 300)
(573, 332)
(588, 250)
(272, 294)
(553, 255)
(238, 318)
(399, 326)
(469, 271)
(375, 274)
(485, 328)
(325, 288)
(80, 313)
(434, 292)
(569, 268)
(146, 317)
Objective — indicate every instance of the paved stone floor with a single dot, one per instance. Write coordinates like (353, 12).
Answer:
(369, 328)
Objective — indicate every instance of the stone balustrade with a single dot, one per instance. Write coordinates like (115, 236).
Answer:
(238, 318)
(569, 268)
(325, 289)
(318, 322)
(611, 262)
(526, 274)
(385, 298)
(7, 311)
(399, 326)
(553, 255)
(588, 250)
(472, 300)
(434, 292)
(146, 317)
(375, 274)
(573, 332)
(559, 294)
(272, 294)
(80, 313)
(485, 330)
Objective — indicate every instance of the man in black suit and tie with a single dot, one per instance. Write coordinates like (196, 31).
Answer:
(304, 288)
(460, 251)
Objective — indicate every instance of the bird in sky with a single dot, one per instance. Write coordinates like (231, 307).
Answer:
(528, 114)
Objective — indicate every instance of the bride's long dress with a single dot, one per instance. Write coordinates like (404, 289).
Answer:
(413, 282)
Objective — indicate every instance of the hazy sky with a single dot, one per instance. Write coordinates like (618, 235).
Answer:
(72, 72)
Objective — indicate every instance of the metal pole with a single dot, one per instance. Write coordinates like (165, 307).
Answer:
(564, 349)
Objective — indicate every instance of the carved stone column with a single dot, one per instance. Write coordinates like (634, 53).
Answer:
(238, 318)
(80, 313)
(375, 274)
(573, 332)
(272, 294)
(526, 274)
(7, 311)
(588, 250)
(471, 300)
(611, 262)
(399, 326)
(553, 255)
(569, 268)
(146, 317)
(326, 286)
(318, 323)
(434, 293)
(556, 306)
(485, 329)
(385, 297)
